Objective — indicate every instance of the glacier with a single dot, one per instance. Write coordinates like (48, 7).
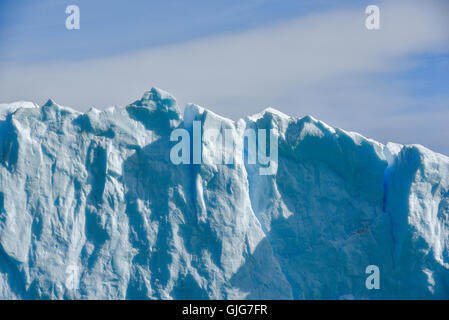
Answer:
(91, 207)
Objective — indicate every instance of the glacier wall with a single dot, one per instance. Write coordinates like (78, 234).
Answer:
(92, 208)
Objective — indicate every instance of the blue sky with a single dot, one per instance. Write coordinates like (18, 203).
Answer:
(238, 57)
(30, 28)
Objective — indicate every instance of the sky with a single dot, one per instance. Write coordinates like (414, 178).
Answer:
(311, 57)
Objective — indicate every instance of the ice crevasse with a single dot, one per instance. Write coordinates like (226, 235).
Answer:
(91, 207)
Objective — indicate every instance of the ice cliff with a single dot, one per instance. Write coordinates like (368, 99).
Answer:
(92, 207)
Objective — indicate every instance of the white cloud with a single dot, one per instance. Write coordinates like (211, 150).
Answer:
(328, 65)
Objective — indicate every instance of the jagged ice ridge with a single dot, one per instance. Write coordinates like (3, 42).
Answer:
(92, 207)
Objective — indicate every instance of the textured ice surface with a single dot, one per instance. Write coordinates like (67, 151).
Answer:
(92, 207)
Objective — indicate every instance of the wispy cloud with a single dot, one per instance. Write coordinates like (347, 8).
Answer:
(327, 65)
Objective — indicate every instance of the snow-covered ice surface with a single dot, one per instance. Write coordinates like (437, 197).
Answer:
(92, 207)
